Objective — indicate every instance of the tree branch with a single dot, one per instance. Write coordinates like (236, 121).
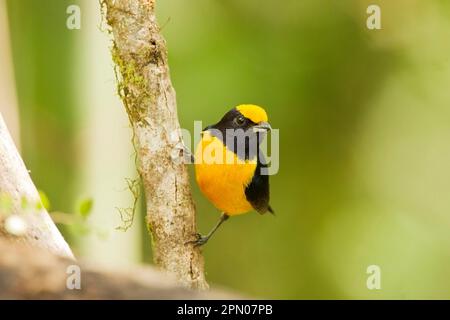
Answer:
(19, 191)
(140, 54)
(30, 273)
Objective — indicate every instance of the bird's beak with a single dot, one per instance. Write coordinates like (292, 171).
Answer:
(262, 127)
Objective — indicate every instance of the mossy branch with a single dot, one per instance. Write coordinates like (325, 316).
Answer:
(144, 85)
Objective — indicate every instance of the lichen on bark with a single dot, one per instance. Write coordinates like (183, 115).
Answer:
(144, 85)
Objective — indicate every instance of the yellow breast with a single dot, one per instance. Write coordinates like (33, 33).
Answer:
(222, 176)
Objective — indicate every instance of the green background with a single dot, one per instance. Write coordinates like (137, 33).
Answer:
(364, 120)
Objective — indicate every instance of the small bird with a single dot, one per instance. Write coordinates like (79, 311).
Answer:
(228, 164)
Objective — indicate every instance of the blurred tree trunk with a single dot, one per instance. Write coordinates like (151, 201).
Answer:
(29, 273)
(105, 165)
(8, 99)
(21, 199)
(22, 216)
(44, 64)
(139, 52)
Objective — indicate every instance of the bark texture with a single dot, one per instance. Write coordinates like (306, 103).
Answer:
(18, 190)
(30, 273)
(140, 54)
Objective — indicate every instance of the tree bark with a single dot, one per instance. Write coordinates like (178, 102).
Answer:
(30, 273)
(19, 191)
(145, 88)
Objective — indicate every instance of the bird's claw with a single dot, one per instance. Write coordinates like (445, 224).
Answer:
(201, 240)
(182, 154)
(187, 155)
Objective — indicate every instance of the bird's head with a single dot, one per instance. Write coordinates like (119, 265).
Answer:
(242, 130)
(245, 117)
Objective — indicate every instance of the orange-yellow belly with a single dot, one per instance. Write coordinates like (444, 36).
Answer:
(222, 176)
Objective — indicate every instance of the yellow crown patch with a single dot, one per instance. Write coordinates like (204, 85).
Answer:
(253, 112)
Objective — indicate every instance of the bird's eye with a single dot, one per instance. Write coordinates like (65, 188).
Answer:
(239, 120)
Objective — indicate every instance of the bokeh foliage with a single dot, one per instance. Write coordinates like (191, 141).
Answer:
(364, 124)
(44, 55)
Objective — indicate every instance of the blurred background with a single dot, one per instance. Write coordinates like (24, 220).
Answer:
(364, 119)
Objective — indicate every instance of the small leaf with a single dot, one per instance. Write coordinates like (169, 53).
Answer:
(85, 207)
(44, 203)
(6, 204)
(24, 203)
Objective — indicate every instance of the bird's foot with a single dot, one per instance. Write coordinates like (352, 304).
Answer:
(182, 154)
(201, 240)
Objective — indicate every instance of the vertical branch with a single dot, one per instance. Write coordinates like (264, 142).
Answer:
(139, 52)
(16, 184)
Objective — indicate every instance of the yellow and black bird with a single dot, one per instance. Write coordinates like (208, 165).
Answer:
(228, 164)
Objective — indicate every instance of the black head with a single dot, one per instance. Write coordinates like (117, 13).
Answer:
(239, 133)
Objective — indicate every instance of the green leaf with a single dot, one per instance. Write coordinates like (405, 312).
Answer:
(6, 204)
(44, 203)
(24, 203)
(85, 207)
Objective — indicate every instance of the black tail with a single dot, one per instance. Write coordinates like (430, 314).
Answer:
(269, 208)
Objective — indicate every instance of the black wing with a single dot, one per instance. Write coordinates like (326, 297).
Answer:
(257, 192)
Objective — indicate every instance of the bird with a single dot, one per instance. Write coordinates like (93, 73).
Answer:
(228, 165)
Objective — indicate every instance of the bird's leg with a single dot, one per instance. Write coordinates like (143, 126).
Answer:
(201, 240)
(182, 154)
(188, 155)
